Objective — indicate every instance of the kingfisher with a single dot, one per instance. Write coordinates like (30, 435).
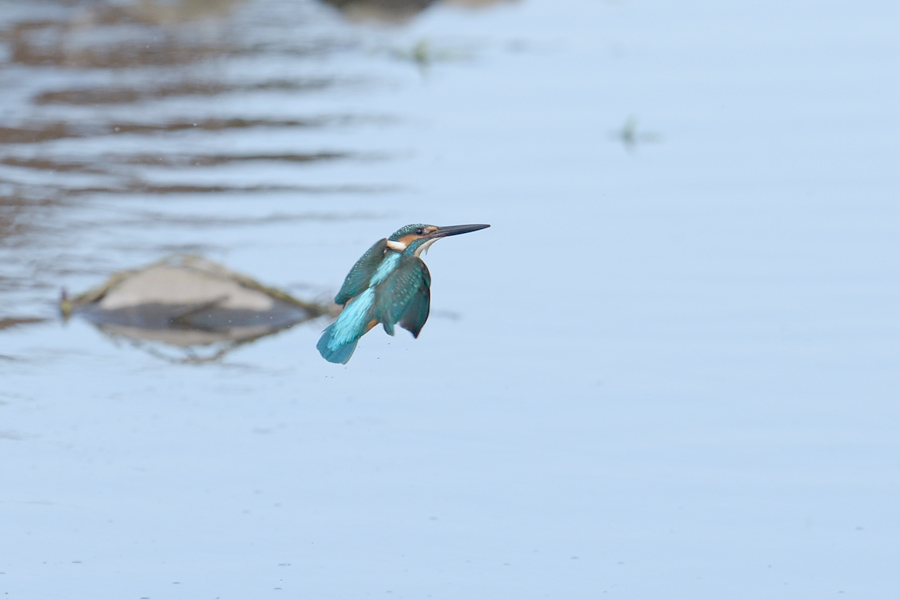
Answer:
(389, 284)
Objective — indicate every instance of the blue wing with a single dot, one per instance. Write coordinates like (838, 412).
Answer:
(400, 292)
(357, 279)
(417, 312)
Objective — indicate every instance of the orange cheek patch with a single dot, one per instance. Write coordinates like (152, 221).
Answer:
(406, 240)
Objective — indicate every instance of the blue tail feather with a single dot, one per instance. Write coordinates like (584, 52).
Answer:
(339, 339)
(340, 354)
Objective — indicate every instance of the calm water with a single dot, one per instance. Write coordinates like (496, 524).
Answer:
(669, 370)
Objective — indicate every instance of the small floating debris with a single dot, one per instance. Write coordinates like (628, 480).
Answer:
(423, 54)
(201, 309)
(630, 137)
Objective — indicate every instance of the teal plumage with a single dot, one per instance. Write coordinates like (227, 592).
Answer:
(358, 278)
(389, 284)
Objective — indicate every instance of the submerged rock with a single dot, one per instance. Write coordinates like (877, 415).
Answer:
(189, 303)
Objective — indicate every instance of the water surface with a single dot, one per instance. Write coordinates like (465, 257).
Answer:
(668, 370)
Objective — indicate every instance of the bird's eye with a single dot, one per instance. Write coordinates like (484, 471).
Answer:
(420, 231)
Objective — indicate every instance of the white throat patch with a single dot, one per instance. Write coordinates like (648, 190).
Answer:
(424, 247)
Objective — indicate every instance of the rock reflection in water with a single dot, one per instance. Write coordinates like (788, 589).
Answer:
(200, 309)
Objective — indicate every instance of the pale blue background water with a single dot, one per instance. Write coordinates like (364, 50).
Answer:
(669, 371)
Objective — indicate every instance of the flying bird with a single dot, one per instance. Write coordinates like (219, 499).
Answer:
(389, 284)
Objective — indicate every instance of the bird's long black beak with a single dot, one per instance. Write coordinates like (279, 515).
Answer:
(456, 230)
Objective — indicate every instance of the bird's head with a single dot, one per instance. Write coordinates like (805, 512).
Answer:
(413, 239)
